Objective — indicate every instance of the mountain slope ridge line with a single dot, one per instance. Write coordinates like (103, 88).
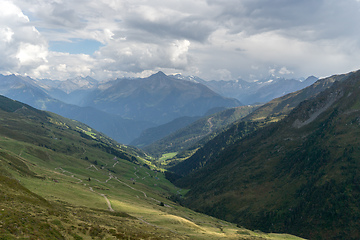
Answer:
(284, 178)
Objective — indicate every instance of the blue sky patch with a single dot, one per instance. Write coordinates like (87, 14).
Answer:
(76, 46)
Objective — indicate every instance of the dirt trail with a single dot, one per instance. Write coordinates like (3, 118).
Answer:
(108, 203)
(129, 186)
(211, 125)
(111, 177)
(92, 165)
(106, 199)
(71, 174)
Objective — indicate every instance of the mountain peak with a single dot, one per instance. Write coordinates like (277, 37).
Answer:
(159, 74)
(311, 79)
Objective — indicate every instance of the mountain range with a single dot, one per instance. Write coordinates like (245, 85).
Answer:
(253, 92)
(36, 94)
(125, 107)
(121, 108)
(158, 98)
(290, 166)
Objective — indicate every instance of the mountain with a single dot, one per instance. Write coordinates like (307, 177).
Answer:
(70, 91)
(123, 108)
(118, 128)
(22, 88)
(158, 98)
(276, 88)
(60, 179)
(299, 175)
(272, 111)
(280, 107)
(247, 92)
(69, 85)
(194, 135)
(153, 134)
(37, 94)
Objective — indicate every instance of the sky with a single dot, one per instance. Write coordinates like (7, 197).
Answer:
(211, 39)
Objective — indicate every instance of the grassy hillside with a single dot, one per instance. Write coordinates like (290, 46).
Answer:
(60, 179)
(298, 175)
(197, 133)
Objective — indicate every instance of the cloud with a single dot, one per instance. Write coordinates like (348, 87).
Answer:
(167, 23)
(284, 71)
(138, 57)
(22, 48)
(221, 74)
(301, 19)
(209, 38)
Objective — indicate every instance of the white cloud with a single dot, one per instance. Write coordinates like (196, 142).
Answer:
(22, 48)
(124, 56)
(31, 55)
(7, 34)
(178, 53)
(272, 71)
(64, 66)
(284, 71)
(221, 74)
(209, 38)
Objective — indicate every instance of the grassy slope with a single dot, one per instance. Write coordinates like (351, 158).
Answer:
(54, 171)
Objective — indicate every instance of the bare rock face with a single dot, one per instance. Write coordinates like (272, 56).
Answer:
(319, 109)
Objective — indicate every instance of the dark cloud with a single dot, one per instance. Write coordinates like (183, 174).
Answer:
(61, 16)
(191, 28)
(306, 19)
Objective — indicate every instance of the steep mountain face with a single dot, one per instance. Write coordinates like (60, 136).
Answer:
(30, 92)
(272, 111)
(300, 175)
(158, 98)
(254, 92)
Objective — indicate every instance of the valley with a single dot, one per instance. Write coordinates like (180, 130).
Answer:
(219, 175)
(63, 180)
(179, 120)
